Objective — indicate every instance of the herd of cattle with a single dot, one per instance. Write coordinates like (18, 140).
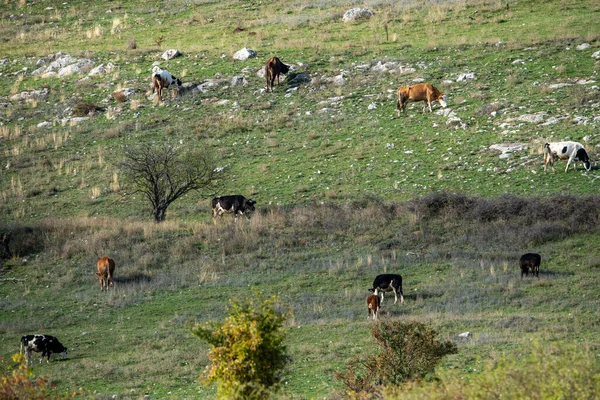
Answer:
(239, 205)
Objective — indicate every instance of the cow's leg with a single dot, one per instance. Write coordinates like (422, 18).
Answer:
(569, 163)
(28, 355)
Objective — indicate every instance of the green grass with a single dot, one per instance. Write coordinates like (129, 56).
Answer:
(316, 239)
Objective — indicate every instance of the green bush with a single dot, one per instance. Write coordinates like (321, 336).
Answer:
(408, 351)
(558, 371)
(247, 355)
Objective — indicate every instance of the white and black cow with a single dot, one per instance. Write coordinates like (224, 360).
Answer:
(571, 151)
(388, 283)
(45, 344)
(235, 204)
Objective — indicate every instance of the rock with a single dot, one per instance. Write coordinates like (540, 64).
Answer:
(465, 335)
(356, 14)
(596, 55)
(533, 118)
(507, 148)
(299, 79)
(551, 121)
(464, 77)
(101, 69)
(61, 61)
(372, 106)
(244, 54)
(38, 94)
(339, 80)
(44, 124)
(558, 85)
(205, 86)
(80, 66)
(239, 81)
(170, 54)
(583, 46)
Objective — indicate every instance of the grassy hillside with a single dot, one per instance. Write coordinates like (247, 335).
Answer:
(318, 157)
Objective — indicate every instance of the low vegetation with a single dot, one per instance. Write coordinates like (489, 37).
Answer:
(344, 189)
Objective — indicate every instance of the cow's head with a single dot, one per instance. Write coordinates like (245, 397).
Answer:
(583, 157)
(178, 81)
(284, 68)
(442, 99)
(250, 204)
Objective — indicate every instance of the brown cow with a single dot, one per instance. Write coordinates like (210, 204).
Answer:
(273, 68)
(106, 270)
(425, 92)
(373, 304)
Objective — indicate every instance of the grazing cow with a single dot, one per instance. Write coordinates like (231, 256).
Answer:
(530, 260)
(273, 68)
(388, 283)
(373, 305)
(106, 270)
(571, 151)
(236, 204)
(44, 344)
(163, 79)
(425, 92)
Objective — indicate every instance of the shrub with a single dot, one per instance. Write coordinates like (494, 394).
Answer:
(408, 351)
(17, 382)
(557, 371)
(247, 354)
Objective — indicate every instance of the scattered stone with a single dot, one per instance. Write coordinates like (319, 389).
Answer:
(464, 77)
(38, 94)
(583, 46)
(465, 335)
(506, 149)
(239, 81)
(44, 124)
(339, 80)
(356, 14)
(533, 118)
(78, 67)
(244, 54)
(170, 54)
(559, 85)
(101, 69)
(299, 79)
(596, 55)
(551, 121)
(372, 106)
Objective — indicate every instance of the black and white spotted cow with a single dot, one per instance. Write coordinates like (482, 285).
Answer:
(388, 283)
(570, 151)
(45, 344)
(235, 204)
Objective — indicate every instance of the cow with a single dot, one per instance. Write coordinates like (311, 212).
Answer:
(388, 283)
(530, 261)
(425, 92)
(373, 304)
(163, 79)
(106, 270)
(273, 68)
(570, 151)
(236, 204)
(45, 344)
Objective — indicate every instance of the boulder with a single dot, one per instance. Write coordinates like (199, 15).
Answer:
(170, 54)
(244, 54)
(357, 14)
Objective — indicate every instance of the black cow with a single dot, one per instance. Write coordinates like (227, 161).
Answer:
(530, 260)
(45, 344)
(388, 283)
(236, 204)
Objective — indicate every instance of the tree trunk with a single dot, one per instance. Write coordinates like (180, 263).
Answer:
(160, 214)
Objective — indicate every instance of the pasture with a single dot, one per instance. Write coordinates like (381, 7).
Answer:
(345, 190)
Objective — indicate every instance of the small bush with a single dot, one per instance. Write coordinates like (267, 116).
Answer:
(85, 108)
(408, 351)
(247, 354)
(563, 372)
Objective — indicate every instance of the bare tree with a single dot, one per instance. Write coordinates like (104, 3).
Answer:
(164, 173)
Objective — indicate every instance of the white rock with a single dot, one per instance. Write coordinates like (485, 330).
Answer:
(44, 124)
(244, 54)
(239, 81)
(372, 106)
(533, 118)
(596, 55)
(38, 94)
(170, 54)
(464, 77)
(356, 14)
(583, 46)
(465, 335)
(508, 147)
(339, 80)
